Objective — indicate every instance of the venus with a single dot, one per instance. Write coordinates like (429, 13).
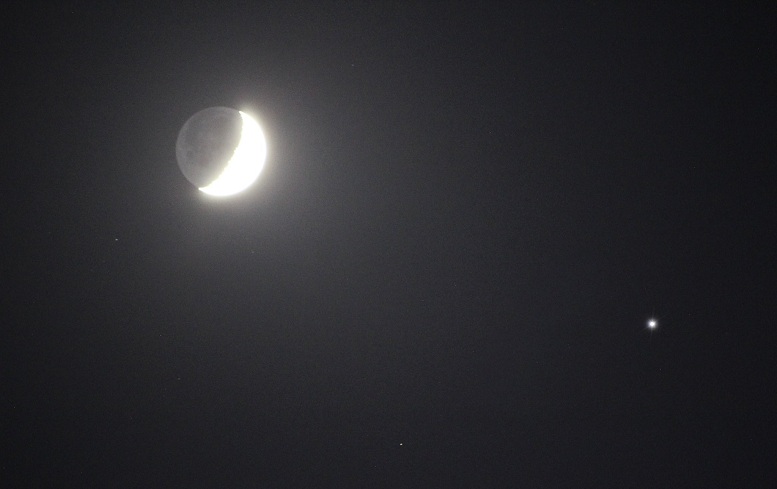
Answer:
(221, 150)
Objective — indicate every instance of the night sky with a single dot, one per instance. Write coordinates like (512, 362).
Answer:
(442, 277)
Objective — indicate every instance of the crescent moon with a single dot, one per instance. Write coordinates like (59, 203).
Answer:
(246, 163)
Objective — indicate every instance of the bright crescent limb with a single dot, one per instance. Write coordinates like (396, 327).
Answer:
(246, 163)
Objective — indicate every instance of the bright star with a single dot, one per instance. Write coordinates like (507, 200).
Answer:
(652, 323)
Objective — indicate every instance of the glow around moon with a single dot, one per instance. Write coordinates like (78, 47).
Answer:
(246, 163)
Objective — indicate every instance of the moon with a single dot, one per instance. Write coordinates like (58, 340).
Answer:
(221, 151)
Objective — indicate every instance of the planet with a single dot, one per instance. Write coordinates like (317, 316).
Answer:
(221, 150)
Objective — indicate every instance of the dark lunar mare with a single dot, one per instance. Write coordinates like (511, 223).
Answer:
(207, 142)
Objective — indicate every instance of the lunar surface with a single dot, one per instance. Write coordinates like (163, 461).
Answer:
(221, 150)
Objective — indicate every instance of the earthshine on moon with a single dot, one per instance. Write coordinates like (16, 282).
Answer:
(221, 150)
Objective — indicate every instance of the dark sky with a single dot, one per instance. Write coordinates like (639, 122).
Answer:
(443, 275)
